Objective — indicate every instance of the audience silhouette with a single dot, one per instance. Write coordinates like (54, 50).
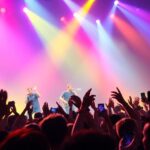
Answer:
(122, 125)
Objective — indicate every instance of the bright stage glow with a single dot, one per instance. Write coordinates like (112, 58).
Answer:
(108, 22)
(45, 30)
(113, 57)
(66, 51)
(75, 14)
(101, 67)
(112, 16)
(72, 5)
(2, 10)
(25, 9)
(85, 9)
(78, 17)
(82, 11)
(116, 2)
(98, 21)
(62, 19)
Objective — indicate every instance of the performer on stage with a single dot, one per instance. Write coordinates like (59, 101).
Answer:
(33, 96)
(66, 96)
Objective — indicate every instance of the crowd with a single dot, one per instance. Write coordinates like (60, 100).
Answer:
(119, 125)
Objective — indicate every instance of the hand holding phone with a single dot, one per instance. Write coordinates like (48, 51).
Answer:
(53, 110)
(101, 107)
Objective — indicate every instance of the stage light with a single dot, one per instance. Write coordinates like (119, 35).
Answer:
(75, 14)
(116, 2)
(62, 19)
(25, 9)
(112, 16)
(98, 21)
(78, 17)
(2, 10)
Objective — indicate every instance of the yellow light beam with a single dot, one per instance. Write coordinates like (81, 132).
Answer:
(85, 9)
(74, 23)
(45, 30)
(63, 41)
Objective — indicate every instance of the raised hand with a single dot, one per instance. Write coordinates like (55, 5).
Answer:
(60, 109)
(93, 105)
(76, 100)
(88, 99)
(70, 103)
(13, 109)
(118, 96)
(45, 109)
(3, 106)
(3, 96)
(110, 103)
(130, 101)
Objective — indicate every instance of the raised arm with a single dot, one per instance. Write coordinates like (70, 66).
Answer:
(118, 96)
(84, 118)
